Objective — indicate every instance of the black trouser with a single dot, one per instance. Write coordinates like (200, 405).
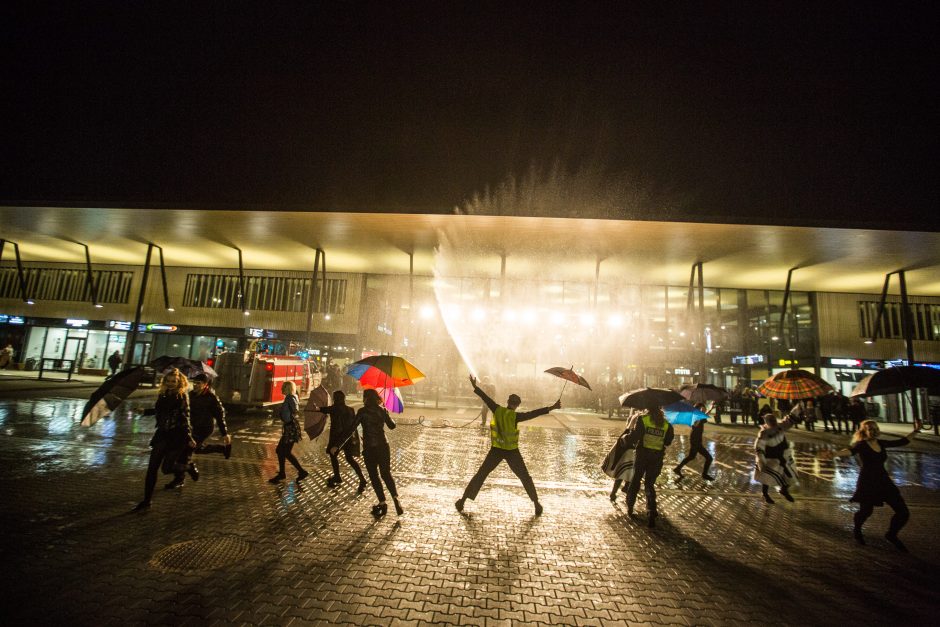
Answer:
(516, 464)
(283, 451)
(350, 459)
(166, 449)
(693, 453)
(649, 464)
(901, 514)
(379, 462)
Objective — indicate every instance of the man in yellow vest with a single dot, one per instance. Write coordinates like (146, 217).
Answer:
(651, 435)
(504, 435)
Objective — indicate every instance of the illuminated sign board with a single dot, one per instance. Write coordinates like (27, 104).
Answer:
(846, 363)
(7, 319)
(894, 363)
(681, 371)
(74, 322)
(746, 360)
(161, 328)
(788, 362)
(120, 325)
(926, 365)
(252, 332)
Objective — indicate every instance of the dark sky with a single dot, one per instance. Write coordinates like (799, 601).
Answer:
(762, 112)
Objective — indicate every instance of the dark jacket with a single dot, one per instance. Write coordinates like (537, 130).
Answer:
(342, 424)
(172, 413)
(204, 409)
(373, 420)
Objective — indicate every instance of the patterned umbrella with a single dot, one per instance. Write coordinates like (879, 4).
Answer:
(392, 400)
(384, 371)
(794, 385)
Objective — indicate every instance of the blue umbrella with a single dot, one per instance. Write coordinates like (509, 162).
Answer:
(682, 413)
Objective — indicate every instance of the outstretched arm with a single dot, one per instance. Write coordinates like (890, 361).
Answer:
(483, 395)
(541, 411)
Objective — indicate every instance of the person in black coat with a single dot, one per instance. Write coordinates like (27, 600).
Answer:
(875, 487)
(173, 434)
(696, 448)
(375, 449)
(651, 435)
(205, 411)
(342, 425)
(114, 362)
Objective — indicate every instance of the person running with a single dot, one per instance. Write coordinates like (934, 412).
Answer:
(173, 433)
(651, 436)
(205, 411)
(696, 447)
(342, 422)
(774, 458)
(504, 436)
(290, 434)
(621, 459)
(375, 449)
(875, 487)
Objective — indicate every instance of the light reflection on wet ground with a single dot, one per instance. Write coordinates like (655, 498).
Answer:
(52, 441)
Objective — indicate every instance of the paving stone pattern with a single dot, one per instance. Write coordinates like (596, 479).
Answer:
(74, 554)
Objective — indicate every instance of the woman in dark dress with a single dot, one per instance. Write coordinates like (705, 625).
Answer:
(291, 433)
(875, 487)
(173, 434)
(342, 423)
(375, 450)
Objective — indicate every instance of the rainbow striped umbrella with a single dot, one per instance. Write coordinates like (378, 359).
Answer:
(794, 385)
(384, 371)
(392, 400)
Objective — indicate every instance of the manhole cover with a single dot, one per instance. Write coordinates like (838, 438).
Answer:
(201, 554)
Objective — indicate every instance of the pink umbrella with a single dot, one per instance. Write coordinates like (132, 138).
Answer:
(392, 399)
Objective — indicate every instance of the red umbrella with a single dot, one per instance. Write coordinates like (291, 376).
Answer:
(568, 374)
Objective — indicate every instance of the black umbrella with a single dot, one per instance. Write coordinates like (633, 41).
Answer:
(703, 392)
(897, 380)
(111, 394)
(647, 398)
(188, 367)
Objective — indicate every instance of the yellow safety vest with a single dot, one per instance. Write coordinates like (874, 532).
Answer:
(654, 437)
(504, 433)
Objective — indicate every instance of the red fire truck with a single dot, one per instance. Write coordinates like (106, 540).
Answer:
(254, 380)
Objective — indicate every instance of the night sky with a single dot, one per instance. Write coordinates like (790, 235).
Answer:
(764, 112)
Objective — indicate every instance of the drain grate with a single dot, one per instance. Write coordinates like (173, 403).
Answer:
(201, 554)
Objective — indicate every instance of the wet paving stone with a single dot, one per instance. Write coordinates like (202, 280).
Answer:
(75, 554)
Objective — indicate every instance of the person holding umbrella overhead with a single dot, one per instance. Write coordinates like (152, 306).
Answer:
(173, 434)
(504, 437)
(696, 447)
(376, 451)
(875, 487)
(651, 435)
(775, 466)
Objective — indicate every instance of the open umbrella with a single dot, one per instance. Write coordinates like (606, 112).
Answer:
(703, 393)
(682, 413)
(392, 400)
(897, 380)
(646, 398)
(568, 374)
(794, 385)
(188, 367)
(110, 394)
(314, 419)
(384, 371)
